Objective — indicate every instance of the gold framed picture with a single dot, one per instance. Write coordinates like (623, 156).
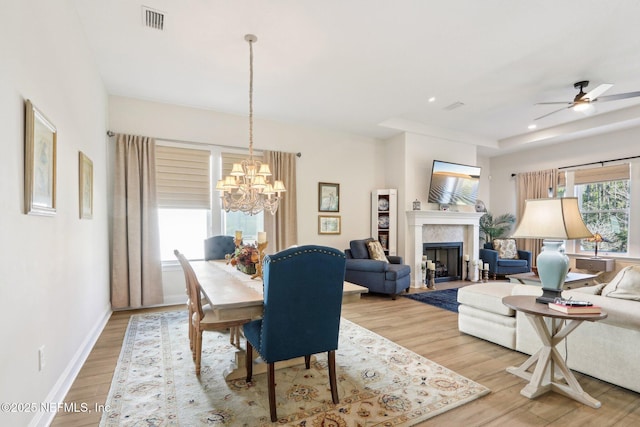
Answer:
(39, 163)
(328, 197)
(85, 174)
(328, 224)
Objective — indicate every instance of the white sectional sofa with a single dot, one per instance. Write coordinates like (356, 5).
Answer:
(607, 349)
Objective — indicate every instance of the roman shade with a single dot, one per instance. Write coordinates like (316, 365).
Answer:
(183, 177)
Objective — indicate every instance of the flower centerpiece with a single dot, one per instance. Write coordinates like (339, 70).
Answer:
(245, 258)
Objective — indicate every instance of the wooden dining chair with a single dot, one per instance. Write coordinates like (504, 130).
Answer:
(204, 318)
(302, 306)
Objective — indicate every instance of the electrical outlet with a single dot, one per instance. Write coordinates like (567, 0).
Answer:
(41, 359)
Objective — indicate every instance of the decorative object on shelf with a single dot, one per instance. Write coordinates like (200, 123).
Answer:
(383, 221)
(328, 197)
(384, 241)
(245, 258)
(416, 205)
(328, 224)
(39, 163)
(85, 190)
(597, 238)
(262, 245)
(383, 204)
(554, 220)
(247, 189)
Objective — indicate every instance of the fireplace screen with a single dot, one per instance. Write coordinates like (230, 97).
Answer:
(447, 257)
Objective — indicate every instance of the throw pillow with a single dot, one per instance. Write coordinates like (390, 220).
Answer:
(506, 248)
(626, 284)
(376, 252)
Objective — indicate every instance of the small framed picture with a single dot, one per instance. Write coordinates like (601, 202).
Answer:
(328, 197)
(328, 224)
(85, 174)
(39, 163)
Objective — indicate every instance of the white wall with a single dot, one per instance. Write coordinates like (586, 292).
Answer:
(54, 289)
(354, 162)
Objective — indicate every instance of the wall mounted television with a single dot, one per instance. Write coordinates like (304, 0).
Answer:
(454, 184)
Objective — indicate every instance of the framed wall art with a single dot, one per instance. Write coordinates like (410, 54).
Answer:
(39, 163)
(328, 197)
(85, 174)
(328, 224)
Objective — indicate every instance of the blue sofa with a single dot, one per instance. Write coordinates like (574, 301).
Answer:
(501, 267)
(390, 278)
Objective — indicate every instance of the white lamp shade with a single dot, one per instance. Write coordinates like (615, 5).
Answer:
(557, 218)
(278, 186)
(264, 170)
(236, 170)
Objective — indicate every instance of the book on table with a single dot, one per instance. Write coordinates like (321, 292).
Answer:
(575, 309)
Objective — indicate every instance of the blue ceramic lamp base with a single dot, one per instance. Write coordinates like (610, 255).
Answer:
(553, 266)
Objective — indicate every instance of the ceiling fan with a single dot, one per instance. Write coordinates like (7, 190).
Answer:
(582, 100)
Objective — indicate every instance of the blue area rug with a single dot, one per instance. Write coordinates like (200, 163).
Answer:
(446, 299)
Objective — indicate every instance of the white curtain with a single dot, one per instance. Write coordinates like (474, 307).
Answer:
(136, 272)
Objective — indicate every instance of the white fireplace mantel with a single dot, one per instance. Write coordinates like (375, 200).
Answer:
(416, 220)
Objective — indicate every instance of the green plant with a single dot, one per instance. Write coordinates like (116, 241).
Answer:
(495, 227)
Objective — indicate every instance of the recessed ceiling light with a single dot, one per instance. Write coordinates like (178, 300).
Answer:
(432, 99)
(531, 127)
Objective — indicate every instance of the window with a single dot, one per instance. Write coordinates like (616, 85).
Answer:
(603, 195)
(182, 229)
(184, 200)
(188, 211)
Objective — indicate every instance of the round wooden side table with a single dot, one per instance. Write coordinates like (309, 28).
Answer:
(548, 361)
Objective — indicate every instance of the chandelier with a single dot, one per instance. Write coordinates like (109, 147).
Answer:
(247, 188)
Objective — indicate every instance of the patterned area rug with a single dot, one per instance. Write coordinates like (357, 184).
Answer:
(446, 299)
(379, 383)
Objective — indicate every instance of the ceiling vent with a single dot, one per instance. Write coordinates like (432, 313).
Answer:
(453, 106)
(152, 18)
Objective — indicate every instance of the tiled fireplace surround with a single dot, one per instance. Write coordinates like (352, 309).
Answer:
(440, 226)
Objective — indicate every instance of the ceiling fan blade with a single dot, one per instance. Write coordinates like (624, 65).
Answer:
(553, 112)
(555, 103)
(619, 96)
(592, 95)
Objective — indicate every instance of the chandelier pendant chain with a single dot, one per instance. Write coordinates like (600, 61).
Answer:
(251, 41)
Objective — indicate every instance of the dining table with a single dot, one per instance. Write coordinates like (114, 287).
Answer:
(234, 295)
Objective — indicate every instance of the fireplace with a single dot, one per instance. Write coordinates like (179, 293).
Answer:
(447, 257)
(440, 226)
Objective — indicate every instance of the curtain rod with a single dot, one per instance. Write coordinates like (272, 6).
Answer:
(110, 134)
(602, 162)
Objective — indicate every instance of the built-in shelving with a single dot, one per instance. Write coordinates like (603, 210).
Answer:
(384, 219)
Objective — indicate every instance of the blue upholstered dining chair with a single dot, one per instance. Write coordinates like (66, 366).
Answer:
(302, 306)
(217, 247)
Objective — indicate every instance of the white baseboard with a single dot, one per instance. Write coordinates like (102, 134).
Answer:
(68, 376)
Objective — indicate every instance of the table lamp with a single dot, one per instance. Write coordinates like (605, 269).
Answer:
(554, 220)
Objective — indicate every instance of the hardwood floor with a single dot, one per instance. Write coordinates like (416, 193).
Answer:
(430, 332)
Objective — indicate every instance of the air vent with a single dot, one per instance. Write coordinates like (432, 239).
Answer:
(453, 106)
(152, 18)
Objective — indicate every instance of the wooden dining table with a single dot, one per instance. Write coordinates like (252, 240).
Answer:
(234, 295)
